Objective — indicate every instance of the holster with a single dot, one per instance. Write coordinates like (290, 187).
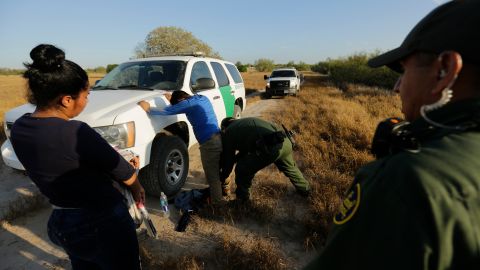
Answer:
(268, 142)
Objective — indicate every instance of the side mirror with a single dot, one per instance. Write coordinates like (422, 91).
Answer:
(203, 83)
(265, 77)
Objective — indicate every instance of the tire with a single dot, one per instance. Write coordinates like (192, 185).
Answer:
(168, 168)
(297, 91)
(237, 112)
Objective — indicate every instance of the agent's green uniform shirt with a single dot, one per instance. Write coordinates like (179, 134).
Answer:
(414, 210)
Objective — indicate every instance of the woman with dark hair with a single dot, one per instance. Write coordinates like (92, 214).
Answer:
(73, 166)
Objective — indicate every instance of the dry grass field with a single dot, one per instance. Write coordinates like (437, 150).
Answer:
(254, 81)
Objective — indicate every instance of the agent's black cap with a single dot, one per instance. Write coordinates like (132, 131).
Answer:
(451, 26)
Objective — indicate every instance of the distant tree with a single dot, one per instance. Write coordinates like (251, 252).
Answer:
(264, 65)
(10, 71)
(98, 69)
(241, 67)
(322, 67)
(170, 40)
(110, 67)
(140, 50)
(302, 66)
(290, 64)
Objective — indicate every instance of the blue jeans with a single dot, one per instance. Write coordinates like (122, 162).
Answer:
(104, 239)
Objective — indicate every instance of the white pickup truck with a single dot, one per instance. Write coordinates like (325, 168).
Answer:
(162, 142)
(283, 81)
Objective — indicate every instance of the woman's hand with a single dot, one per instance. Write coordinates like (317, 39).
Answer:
(168, 96)
(135, 162)
(138, 192)
(145, 105)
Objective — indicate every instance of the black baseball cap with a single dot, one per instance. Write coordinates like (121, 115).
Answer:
(451, 26)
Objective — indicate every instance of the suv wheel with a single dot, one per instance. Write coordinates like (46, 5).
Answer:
(168, 168)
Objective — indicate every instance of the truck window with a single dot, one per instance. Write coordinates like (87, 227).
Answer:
(199, 70)
(234, 73)
(220, 74)
(283, 73)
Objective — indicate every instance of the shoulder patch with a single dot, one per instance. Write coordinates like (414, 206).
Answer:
(349, 206)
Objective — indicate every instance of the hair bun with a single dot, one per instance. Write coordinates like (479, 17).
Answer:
(47, 57)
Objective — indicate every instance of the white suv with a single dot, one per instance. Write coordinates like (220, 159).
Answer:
(162, 142)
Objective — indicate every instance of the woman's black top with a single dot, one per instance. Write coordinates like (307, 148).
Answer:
(72, 165)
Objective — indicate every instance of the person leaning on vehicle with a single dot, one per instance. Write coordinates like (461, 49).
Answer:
(418, 206)
(200, 113)
(73, 166)
(259, 143)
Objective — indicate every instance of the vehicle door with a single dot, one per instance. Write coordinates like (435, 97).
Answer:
(200, 69)
(226, 90)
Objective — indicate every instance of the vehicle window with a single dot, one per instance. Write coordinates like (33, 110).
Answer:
(237, 78)
(165, 75)
(199, 70)
(220, 74)
(283, 73)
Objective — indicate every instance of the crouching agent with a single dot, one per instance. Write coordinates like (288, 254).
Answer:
(259, 143)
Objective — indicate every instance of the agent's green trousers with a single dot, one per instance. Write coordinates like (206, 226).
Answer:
(251, 163)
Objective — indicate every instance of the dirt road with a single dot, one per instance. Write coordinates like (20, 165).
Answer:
(24, 243)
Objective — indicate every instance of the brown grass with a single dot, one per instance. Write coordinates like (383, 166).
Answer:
(13, 92)
(254, 81)
(334, 131)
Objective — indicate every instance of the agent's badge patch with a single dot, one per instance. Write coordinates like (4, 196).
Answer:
(349, 206)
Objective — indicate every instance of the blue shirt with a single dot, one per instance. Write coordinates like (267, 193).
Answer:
(199, 112)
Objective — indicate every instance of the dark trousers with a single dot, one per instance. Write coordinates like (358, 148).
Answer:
(103, 239)
(281, 155)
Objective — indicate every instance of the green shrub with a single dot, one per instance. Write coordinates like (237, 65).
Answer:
(264, 65)
(241, 67)
(354, 69)
(302, 66)
(10, 71)
(321, 67)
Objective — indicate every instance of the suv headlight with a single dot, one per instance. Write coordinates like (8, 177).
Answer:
(119, 136)
(6, 128)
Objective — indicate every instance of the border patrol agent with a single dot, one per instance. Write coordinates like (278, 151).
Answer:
(418, 205)
(259, 143)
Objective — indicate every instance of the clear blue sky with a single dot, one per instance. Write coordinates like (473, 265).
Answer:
(97, 33)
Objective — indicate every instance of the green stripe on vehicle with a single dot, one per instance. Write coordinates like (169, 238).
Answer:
(228, 99)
